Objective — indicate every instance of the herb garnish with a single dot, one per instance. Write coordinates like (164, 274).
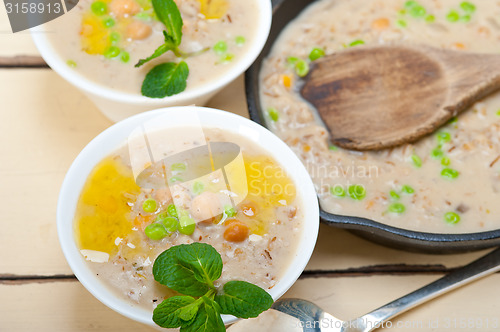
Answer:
(191, 269)
(170, 78)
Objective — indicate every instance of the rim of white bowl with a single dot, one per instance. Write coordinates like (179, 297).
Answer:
(111, 138)
(58, 64)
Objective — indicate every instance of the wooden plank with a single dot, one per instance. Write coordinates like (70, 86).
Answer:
(37, 306)
(44, 123)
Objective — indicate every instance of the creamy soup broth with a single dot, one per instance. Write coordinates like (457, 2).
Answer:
(448, 182)
(81, 38)
(110, 221)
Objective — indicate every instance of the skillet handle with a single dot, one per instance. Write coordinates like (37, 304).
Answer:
(479, 268)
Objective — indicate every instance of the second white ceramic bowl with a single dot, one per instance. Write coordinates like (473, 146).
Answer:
(113, 137)
(117, 105)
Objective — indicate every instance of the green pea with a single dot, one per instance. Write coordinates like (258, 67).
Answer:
(337, 191)
(316, 53)
(498, 113)
(465, 18)
(453, 16)
(418, 11)
(291, 60)
(468, 7)
(149, 205)
(229, 211)
(125, 57)
(397, 208)
(172, 211)
(198, 188)
(161, 216)
(402, 23)
(333, 148)
(109, 22)
(445, 161)
(240, 40)
(114, 37)
(71, 63)
(301, 68)
(449, 173)
(99, 8)
(178, 167)
(112, 52)
(437, 153)
(155, 231)
(356, 43)
(451, 218)
(411, 4)
(394, 195)
(402, 12)
(273, 114)
(407, 189)
(175, 179)
(443, 137)
(430, 19)
(186, 225)
(417, 162)
(143, 16)
(227, 58)
(170, 224)
(357, 192)
(220, 47)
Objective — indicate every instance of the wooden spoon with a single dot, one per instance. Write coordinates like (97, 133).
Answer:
(377, 97)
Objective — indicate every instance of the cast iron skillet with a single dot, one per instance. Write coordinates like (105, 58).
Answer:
(284, 12)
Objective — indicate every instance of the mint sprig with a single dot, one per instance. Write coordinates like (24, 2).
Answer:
(168, 13)
(191, 269)
(169, 78)
(165, 79)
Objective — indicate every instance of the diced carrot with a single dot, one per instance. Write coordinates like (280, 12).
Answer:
(306, 148)
(380, 24)
(459, 46)
(287, 81)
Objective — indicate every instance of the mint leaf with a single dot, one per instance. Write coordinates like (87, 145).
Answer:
(166, 79)
(203, 259)
(188, 312)
(159, 51)
(167, 314)
(169, 14)
(207, 319)
(169, 271)
(243, 299)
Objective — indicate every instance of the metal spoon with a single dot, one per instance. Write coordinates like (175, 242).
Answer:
(314, 319)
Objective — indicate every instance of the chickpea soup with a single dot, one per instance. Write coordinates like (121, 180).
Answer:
(103, 39)
(448, 182)
(228, 193)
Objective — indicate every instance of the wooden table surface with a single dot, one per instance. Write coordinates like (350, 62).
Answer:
(45, 122)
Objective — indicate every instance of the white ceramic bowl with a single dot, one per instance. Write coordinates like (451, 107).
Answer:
(109, 140)
(118, 105)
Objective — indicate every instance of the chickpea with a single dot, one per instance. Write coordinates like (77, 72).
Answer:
(138, 30)
(124, 8)
(236, 231)
(206, 206)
